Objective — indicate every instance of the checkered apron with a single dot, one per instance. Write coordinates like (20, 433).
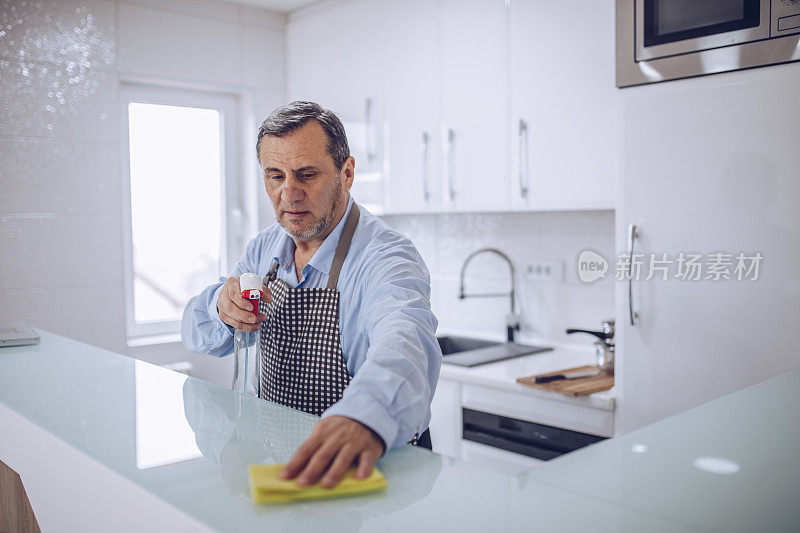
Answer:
(301, 353)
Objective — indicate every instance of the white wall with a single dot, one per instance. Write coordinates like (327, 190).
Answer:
(547, 307)
(61, 63)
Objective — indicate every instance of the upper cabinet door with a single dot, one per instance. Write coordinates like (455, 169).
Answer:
(474, 105)
(564, 132)
(334, 58)
(412, 161)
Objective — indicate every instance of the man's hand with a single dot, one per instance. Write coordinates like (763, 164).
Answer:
(237, 311)
(334, 445)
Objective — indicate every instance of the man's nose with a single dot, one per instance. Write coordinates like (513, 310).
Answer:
(292, 191)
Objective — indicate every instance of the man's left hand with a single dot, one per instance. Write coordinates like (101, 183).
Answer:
(334, 445)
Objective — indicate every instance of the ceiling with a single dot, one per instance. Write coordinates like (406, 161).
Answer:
(276, 5)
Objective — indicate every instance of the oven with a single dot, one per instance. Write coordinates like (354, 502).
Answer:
(487, 439)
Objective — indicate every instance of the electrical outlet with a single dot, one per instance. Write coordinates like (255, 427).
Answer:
(545, 271)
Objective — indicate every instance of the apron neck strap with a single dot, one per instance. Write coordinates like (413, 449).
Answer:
(343, 246)
(272, 274)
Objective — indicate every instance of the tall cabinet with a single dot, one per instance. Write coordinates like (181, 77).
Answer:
(711, 170)
(564, 104)
(474, 105)
(334, 56)
(411, 141)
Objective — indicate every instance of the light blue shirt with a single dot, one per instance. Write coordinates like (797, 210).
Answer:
(385, 320)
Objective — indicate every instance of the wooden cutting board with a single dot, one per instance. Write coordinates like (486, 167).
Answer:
(572, 387)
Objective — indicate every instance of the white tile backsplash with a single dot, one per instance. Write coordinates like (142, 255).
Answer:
(67, 33)
(43, 250)
(193, 8)
(46, 100)
(88, 313)
(547, 308)
(44, 175)
(177, 45)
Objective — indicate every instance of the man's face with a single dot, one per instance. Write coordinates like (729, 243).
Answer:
(308, 192)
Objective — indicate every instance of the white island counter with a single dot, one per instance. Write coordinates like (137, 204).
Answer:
(104, 442)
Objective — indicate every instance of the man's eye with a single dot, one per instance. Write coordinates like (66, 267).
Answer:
(306, 176)
(276, 177)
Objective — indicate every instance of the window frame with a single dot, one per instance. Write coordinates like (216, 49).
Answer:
(227, 105)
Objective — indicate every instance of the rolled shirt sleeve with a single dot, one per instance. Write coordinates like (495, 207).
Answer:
(392, 391)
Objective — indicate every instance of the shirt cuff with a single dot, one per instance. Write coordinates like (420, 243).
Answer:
(212, 309)
(365, 410)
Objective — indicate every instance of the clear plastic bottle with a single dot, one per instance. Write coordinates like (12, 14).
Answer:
(245, 343)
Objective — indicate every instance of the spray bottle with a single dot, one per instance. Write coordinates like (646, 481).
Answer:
(245, 343)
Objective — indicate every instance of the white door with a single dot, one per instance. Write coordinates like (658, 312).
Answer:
(412, 154)
(564, 132)
(711, 166)
(474, 105)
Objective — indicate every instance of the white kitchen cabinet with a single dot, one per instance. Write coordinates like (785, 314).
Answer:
(445, 422)
(520, 404)
(412, 147)
(449, 82)
(563, 105)
(474, 105)
(334, 58)
(711, 168)
(496, 459)
(491, 389)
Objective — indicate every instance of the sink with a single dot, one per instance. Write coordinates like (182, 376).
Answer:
(466, 351)
(451, 345)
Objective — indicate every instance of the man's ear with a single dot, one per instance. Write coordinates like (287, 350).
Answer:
(348, 171)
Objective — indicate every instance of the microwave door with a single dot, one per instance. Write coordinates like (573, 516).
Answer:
(672, 27)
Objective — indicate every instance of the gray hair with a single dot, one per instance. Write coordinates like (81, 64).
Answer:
(288, 118)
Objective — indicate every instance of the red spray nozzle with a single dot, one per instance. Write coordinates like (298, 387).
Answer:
(250, 287)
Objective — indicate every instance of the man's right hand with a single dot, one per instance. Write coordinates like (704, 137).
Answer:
(237, 311)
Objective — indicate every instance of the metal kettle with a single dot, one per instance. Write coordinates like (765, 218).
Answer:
(604, 347)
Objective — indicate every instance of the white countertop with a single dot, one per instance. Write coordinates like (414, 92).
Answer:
(503, 375)
(729, 465)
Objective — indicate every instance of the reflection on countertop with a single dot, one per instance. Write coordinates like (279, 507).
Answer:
(234, 431)
(722, 466)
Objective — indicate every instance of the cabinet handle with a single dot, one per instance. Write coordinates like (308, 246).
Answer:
(632, 234)
(450, 158)
(369, 128)
(424, 151)
(522, 154)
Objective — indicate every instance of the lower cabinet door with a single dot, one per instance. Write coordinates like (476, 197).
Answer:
(495, 458)
(446, 419)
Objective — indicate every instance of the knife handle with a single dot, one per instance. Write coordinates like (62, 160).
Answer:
(548, 379)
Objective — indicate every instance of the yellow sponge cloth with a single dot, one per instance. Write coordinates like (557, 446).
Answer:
(266, 485)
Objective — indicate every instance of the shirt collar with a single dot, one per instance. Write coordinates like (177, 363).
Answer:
(284, 253)
(323, 257)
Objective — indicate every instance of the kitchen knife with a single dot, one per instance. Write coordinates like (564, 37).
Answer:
(569, 375)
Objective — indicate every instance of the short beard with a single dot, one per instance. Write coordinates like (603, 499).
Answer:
(323, 223)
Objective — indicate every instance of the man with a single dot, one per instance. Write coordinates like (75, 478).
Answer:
(346, 326)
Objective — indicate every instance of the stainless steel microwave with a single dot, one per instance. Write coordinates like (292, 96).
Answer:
(660, 40)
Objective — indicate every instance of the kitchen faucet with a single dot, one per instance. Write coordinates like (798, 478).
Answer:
(512, 320)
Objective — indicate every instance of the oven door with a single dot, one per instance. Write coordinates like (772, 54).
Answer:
(672, 27)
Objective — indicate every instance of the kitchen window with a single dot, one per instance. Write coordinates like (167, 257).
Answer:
(179, 202)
